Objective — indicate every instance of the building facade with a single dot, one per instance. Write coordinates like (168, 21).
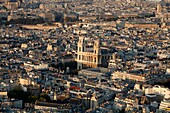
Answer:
(92, 55)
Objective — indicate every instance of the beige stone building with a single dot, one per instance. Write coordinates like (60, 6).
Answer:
(12, 4)
(163, 10)
(92, 54)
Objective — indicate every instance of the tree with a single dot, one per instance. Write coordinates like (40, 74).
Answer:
(27, 97)
(32, 98)
(44, 97)
(19, 93)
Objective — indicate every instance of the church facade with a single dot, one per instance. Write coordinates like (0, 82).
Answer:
(93, 55)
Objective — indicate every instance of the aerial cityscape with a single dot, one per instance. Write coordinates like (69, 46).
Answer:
(84, 56)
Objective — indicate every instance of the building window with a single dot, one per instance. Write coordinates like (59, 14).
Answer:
(79, 57)
(102, 57)
(79, 48)
(83, 48)
(94, 59)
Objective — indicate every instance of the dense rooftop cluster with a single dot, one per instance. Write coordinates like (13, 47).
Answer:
(39, 56)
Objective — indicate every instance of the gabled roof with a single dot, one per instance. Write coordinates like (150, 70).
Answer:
(3, 8)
